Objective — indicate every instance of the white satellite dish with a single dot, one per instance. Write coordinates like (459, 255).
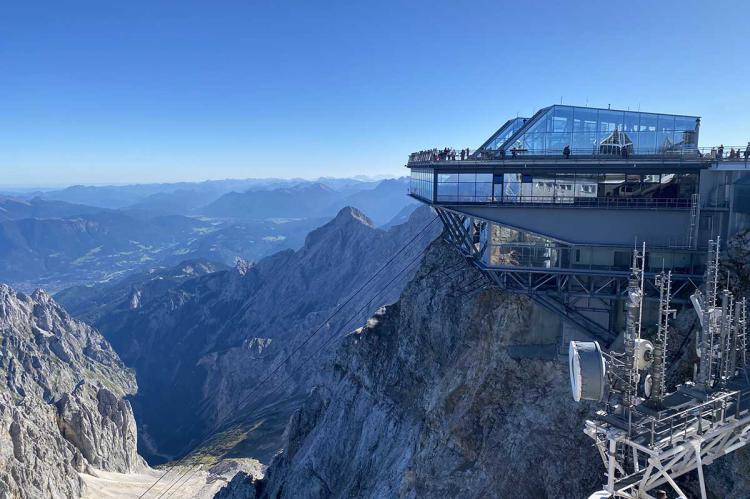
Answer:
(588, 371)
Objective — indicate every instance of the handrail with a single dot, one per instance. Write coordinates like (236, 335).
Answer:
(696, 153)
(572, 202)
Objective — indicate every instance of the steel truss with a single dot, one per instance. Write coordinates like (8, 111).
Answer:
(569, 292)
(668, 447)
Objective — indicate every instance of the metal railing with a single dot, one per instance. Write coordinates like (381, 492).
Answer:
(660, 431)
(692, 153)
(571, 202)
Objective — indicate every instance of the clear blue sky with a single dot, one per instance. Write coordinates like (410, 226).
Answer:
(96, 92)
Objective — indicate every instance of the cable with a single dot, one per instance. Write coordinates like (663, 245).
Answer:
(184, 473)
(298, 347)
(157, 481)
(332, 337)
(333, 314)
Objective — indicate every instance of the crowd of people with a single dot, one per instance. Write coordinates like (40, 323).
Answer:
(446, 154)
(718, 152)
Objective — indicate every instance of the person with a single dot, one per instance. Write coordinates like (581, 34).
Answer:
(747, 151)
(720, 151)
(463, 154)
(731, 153)
(566, 151)
(661, 494)
(624, 151)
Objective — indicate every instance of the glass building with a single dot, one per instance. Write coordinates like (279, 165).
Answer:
(593, 132)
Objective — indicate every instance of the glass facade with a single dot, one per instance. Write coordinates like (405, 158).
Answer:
(590, 131)
(422, 182)
(464, 187)
(589, 189)
(504, 246)
(506, 131)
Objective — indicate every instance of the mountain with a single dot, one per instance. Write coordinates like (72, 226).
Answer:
(90, 303)
(301, 201)
(122, 196)
(54, 253)
(62, 410)
(14, 209)
(383, 202)
(380, 200)
(205, 350)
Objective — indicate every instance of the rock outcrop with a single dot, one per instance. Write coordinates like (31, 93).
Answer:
(61, 400)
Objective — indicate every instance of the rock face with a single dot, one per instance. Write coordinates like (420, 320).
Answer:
(206, 348)
(431, 399)
(61, 400)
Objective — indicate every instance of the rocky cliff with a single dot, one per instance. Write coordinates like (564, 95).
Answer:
(61, 401)
(453, 391)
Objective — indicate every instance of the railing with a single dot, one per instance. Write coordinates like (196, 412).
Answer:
(466, 155)
(572, 202)
(699, 418)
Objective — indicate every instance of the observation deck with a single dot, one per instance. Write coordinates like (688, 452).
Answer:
(551, 206)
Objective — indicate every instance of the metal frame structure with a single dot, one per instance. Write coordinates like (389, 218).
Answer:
(571, 293)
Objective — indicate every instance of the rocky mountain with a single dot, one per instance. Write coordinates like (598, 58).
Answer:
(62, 406)
(206, 349)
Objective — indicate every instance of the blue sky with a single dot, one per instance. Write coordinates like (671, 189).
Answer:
(112, 92)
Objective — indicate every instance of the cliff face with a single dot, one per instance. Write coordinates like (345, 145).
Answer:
(61, 400)
(432, 398)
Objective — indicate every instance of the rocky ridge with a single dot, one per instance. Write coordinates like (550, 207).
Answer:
(62, 410)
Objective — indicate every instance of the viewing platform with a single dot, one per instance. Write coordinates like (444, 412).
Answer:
(553, 204)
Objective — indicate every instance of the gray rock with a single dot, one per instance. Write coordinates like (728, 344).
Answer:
(61, 400)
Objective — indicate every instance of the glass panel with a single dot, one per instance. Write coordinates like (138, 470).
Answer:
(609, 120)
(585, 120)
(484, 191)
(631, 121)
(447, 177)
(648, 122)
(685, 123)
(466, 192)
(467, 177)
(484, 177)
(666, 123)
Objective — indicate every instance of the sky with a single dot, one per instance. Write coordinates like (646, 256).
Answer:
(141, 91)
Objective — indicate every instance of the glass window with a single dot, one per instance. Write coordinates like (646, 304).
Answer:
(609, 120)
(685, 123)
(585, 120)
(484, 177)
(666, 123)
(466, 192)
(467, 177)
(648, 122)
(631, 121)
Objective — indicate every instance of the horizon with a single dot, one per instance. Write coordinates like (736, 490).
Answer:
(150, 93)
(10, 188)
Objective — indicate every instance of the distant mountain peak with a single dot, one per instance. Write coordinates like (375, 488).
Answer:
(348, 214)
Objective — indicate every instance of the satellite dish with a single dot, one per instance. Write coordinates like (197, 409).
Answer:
(644, 354)
(646, 384)
(588, 371)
